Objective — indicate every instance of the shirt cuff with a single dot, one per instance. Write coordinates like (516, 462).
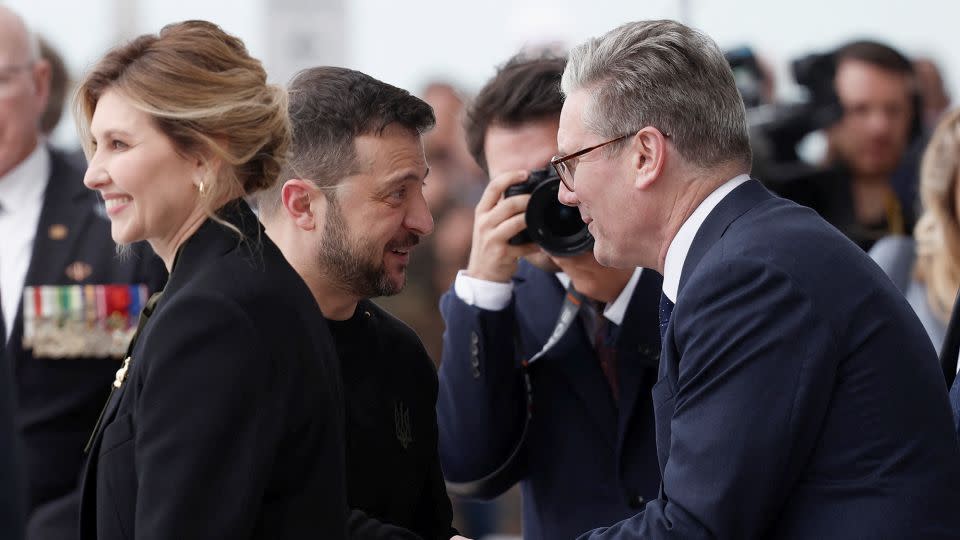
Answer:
(489, 295)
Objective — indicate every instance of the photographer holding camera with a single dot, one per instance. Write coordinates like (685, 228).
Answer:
(537, 385)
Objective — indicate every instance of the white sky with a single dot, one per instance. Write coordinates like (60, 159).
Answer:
(410, 41)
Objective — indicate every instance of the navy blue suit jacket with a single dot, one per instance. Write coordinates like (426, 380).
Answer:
(11, 481)
(587, 460)
(799, 396)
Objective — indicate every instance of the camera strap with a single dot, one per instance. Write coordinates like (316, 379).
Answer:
(501, 478)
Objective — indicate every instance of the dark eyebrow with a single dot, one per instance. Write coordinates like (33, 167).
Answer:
(406, 176)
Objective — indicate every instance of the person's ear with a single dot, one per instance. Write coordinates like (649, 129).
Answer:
(41, 74)
(297, 197)
(648, 154)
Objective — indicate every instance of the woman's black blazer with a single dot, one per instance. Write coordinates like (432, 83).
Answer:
(229, 423)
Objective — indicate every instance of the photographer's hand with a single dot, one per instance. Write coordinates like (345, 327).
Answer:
(496, 220)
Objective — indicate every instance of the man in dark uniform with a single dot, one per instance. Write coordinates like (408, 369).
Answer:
(347, 216)
(60, 345)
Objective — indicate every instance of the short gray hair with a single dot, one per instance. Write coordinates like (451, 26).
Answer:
(666, 75)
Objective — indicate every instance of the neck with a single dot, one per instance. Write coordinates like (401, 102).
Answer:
(691, 190)
(167, 248)
(335, 303)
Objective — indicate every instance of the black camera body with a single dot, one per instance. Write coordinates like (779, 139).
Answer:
(555, 227)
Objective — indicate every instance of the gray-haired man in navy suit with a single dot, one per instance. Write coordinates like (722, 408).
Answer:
(798, 395)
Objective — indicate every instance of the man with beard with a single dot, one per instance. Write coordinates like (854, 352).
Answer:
(347, 217)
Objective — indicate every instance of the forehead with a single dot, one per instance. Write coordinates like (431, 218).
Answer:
(115, 112)
(529, 145)
(860, 81)
(395, 150)
(14, 47)
(572, 131)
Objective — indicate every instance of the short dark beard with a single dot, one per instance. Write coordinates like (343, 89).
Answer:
(357, 270)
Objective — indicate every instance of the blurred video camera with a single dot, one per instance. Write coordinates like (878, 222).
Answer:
(776, 129)
(555, 227)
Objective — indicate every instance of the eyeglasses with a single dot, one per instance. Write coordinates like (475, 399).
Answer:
(566, 165)
(8, 77)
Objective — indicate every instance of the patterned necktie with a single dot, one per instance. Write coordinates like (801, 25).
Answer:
(666, 309)
(604, 345)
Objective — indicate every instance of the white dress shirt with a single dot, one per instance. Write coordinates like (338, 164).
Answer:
(680, 245)
(494, 296)
(21, 199)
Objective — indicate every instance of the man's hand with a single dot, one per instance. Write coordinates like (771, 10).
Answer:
(496, 221)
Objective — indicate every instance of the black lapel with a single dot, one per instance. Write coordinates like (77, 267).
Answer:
(68, 206)
(951, 346)
(572, 355)
(638, 347)
(734, 205)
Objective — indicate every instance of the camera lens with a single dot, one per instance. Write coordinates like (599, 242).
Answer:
(562, 220)
(557, 228)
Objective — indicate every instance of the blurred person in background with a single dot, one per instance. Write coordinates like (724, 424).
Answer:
(588, 456)
(453, 180)
(59, 85)
(226, 415)
(56, 238)
(347, 214)
(459, 180)
(876, 142)
(927, 267)
(933, 91)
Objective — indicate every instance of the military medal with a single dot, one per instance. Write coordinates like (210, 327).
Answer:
(73, 321)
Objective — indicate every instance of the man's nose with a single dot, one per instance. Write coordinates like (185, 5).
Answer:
(418, 218)
(567, 197)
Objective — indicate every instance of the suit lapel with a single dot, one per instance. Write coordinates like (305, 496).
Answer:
(735, 204)
(951, 346)
(638, 349)
(63, 220)
(572, 356)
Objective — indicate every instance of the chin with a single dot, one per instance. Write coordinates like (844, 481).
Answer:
(607, 256)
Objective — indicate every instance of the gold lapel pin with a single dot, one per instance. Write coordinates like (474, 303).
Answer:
(58, 231)
(122, 373)
(78, 270)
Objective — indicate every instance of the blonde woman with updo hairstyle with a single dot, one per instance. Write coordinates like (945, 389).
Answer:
(927, 267)
(225, 418)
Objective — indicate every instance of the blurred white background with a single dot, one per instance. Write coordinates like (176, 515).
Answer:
(410, 42)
